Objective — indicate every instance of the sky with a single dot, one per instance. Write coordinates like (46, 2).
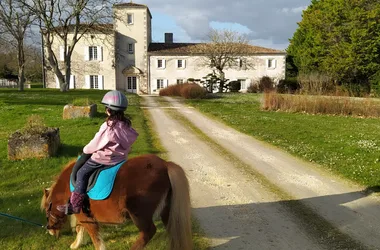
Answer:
(267, 23)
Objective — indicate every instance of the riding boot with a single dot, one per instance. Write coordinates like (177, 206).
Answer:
(74, 206)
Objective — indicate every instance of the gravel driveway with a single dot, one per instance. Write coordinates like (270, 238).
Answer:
(249, 195)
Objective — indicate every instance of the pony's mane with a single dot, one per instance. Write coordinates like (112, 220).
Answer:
(44, 198)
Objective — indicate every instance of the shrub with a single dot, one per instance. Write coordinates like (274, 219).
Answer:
(171, 90)
(253, 88)
(193, 91)
(316, 84)
(289, 86)
(234, 86)
(266, 84)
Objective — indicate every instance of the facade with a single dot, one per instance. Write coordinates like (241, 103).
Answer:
(125, 58)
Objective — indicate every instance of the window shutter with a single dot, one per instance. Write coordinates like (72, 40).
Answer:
(100, 53)
(157, 63)
(61, 53)
(274, 63)
(163, 63)
(100, 82)
(87, 81)
(184, 63)
(57, 82)
(86, 53)
(72, 82)
(166, 81)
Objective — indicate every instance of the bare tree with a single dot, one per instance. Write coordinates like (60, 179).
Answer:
(15, 19)
(68, 21)
(226, 49)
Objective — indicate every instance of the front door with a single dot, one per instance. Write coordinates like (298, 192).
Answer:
(132, 84)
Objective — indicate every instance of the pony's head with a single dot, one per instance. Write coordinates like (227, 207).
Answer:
(55, 219)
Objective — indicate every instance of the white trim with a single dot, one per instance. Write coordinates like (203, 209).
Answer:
(87, 81)
(57, 82)
(72, 82)
(100, 53)
(100, 82)
(61, 53)
(86, 53)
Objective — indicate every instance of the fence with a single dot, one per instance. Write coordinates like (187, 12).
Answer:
(5, 83)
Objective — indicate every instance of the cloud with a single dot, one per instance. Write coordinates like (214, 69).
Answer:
(272, 22)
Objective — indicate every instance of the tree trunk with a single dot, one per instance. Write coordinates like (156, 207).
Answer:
(21, 65)
(222, 78)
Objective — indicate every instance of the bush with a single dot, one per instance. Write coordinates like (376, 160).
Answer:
(289, 86)
(193, 91)
(266, 84)
(186, 90)
(172, 90)
(253, 88)
(234, 86)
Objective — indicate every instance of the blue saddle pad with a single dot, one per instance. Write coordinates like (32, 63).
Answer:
(104, 183)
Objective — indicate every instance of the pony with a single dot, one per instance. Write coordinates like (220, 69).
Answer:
(144, 185)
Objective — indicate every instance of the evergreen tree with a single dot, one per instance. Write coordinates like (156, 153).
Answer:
(340, 38)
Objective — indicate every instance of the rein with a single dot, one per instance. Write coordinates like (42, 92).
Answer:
(21, 219)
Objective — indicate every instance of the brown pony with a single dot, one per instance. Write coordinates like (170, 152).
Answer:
(144, 185)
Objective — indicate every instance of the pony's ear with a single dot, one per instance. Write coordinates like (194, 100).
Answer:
(46, 192)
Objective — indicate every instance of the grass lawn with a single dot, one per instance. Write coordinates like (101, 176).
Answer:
(347, 146)
(22, 182)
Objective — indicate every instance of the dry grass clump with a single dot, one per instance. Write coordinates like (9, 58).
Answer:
(187, 91)
(333, 105)
(34, 125)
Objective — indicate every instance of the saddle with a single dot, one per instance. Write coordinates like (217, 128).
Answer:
(101, 181)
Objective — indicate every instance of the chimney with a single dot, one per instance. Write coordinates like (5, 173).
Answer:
(168, 37)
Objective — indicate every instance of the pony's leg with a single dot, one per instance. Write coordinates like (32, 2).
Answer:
(79, 239)
(165, 214)
(93, 231)
(147, 230)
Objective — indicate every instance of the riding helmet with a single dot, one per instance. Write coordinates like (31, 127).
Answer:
(115, 100)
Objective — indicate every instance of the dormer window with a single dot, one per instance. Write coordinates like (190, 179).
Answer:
(130, 18)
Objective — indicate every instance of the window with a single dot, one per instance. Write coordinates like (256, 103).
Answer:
(160, 83)
(94, 82)
(180, 64)
(130, 48)
(160, 63)
(179, 81)
(243, 83)
(130, 18)
(240, 63)
(93, 53)
(131, 82)
(271, 63)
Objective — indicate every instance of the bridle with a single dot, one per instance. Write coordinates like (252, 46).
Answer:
(57, 220)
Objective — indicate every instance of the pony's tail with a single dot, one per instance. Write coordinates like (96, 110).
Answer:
(179, 224)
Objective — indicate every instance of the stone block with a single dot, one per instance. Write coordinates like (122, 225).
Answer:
(71, 112)
(23, 146)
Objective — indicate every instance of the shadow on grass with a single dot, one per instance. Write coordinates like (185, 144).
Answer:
(70, 150)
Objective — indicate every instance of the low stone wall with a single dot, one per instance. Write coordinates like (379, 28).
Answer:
(72, 112)
(22, 146)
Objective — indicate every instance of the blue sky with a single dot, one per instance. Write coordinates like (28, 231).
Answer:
(267, 23)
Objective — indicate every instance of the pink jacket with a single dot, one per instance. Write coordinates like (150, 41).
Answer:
(111, 145)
